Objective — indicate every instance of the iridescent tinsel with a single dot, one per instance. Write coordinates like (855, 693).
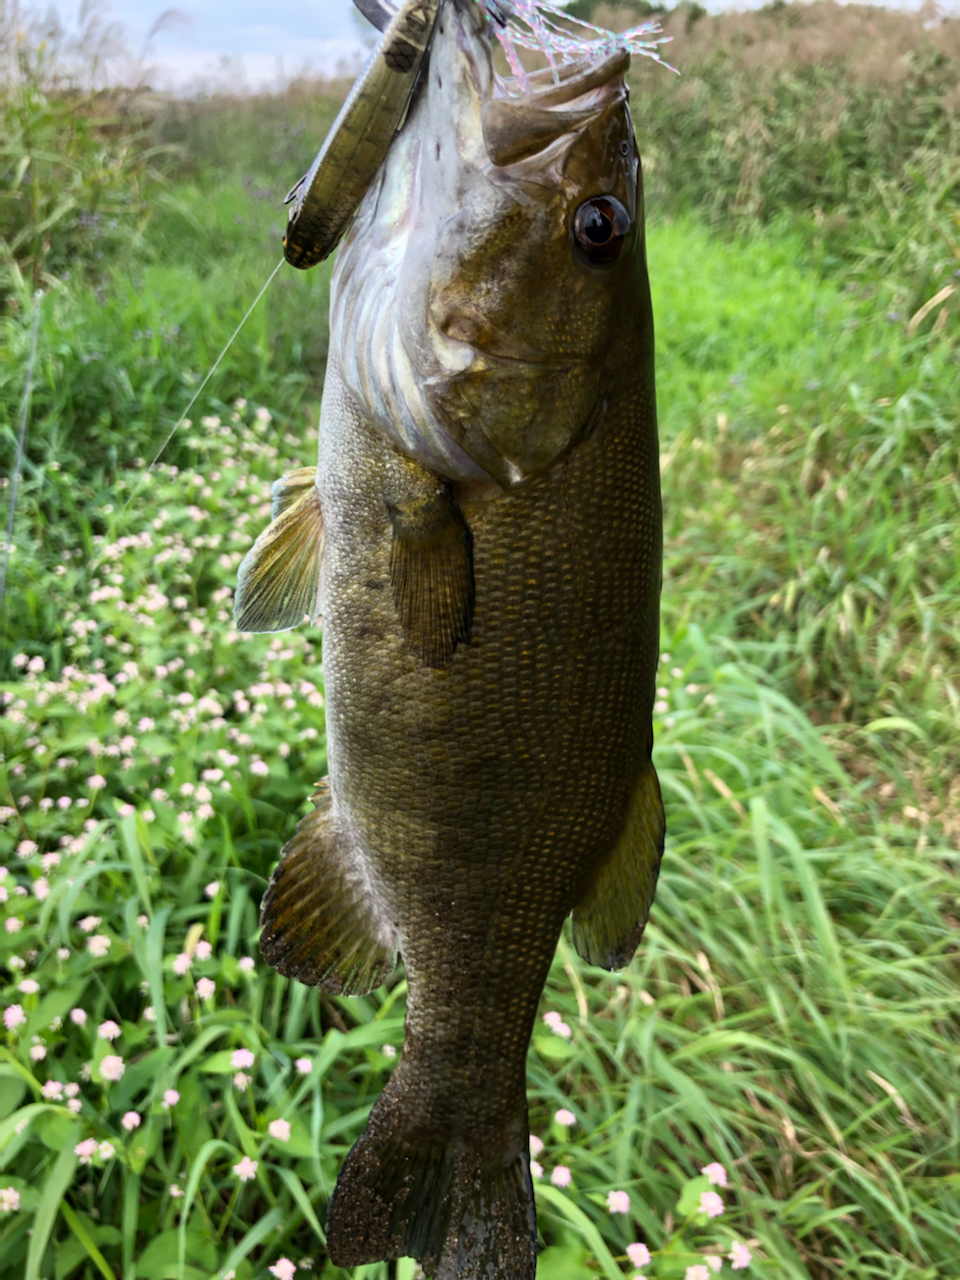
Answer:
(548, 29)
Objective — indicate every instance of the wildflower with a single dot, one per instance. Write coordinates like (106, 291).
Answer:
(304, 1066)
(36, 665)
(98, 945)
(388, 1050)
(170, 1097)
(63, 953)
(38, 1052)
(29, 986)
(181, 964)
(536, 1145)
(565, 1118)
(638, 1254)
(52, 1090)
(88, 923)
(9, 1199)
(241, 1080)
(716, 1173)
(71, 1089)
(262, 414)
(131, 1121)
(561, 1176)
(242, 1058)
(175, 1191)
(13, 925)
(96, 782)
(78, 1017)
(246, 1169)
(41, 888)
(739, 1255)
(149, 1014)
(108, 1030)
(279, 1129)
(260, 768)
(247, 964)
(86, 1150)
(205, 988)
(696, 1273)
(14, 1017)
(212, 889)
(143, 921)
(618, 1202)
(106, 1150)
(112, 1068)
(283, 1269)
(74, 1105)
(536, 1169)
(711, 1204)
(204, 949)
(26, 847)
(714, 1261)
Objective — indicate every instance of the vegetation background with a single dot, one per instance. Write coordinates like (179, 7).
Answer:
(169, 1106)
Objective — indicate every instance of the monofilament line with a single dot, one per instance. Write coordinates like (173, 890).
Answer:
(199, 391)
(21, 436)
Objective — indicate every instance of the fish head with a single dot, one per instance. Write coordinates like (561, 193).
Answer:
(511, 228)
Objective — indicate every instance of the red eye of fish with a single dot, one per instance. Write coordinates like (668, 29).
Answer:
(600, 228)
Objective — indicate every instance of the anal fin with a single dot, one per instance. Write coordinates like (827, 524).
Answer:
(431, 573)
(609, 922)
(320, 923)
(278, 581)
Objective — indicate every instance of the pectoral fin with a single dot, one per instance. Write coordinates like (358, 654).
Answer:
(319, 918)
(278, 581)
(609, 922)
(431, 573)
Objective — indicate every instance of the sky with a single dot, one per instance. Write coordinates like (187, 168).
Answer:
(253, 44)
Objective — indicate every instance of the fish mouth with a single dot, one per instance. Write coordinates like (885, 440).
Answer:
(558, 103)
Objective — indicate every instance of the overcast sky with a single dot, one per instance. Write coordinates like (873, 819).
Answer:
(264, 43)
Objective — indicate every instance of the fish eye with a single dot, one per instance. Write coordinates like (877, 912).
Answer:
(600, 228)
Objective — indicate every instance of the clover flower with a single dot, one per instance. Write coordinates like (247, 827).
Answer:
(14, 1017)
(739, 1255)
(112, 1068)
(618, 1202)
(279, 1129)
(86, 1150)
(711, 1204)
(131, 1121)
(716, 1174)
(561, 1176)
(246, 1169)
(638, 1254)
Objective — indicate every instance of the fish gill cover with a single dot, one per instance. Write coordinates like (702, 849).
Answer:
(550, 30)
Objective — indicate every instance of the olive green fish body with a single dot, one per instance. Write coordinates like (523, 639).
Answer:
(482, 535)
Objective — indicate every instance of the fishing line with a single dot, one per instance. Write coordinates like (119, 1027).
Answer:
(18, 459)
(196, 395)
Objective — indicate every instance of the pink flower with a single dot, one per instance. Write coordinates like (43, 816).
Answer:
(618, 1202)
(205, 988)
(565, 1118)
(97, 782)
(71, 1089)
(9, 1200)
(41, 889)
(739, 1255)
(262, 414)
(131, 1121)
(52, 1090)
(108, 1030)
(26, 848)
(88, 923)
(638, 1254)
(716, 1173)
(711, 1204)
(241, 1081)
(714, 1261)
(247, 964)
(557, 1024)
(38, 1052)
(29, 986)
(203, 949)
(536, 1169)
(112, 1068)
(279, 1129)
(561, 1176)
(242, 1058)
(175, 1191)
(212, 888)
(14, 1017)
(181, 964)
(259, 768)
(536, 1145)
(304, 1066)
(696, 1273)
(246, 1169)
(13, 924)
(98, 945)
(283, 1269)
(86, 1150)
(78, 1016)
(171, 1097)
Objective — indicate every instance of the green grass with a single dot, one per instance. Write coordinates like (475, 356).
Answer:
(793, 1013)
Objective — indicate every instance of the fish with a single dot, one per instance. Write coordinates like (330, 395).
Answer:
(482, 537)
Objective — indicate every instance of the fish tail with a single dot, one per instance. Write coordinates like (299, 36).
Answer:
(462, 1215)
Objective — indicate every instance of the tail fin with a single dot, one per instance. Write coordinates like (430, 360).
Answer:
(461, 1216)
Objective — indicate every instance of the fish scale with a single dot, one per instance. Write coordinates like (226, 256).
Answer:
(482, 535)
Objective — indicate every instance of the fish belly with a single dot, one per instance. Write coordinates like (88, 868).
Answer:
(477, 803)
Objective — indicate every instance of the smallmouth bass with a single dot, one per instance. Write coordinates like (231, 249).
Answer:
(482, 535)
